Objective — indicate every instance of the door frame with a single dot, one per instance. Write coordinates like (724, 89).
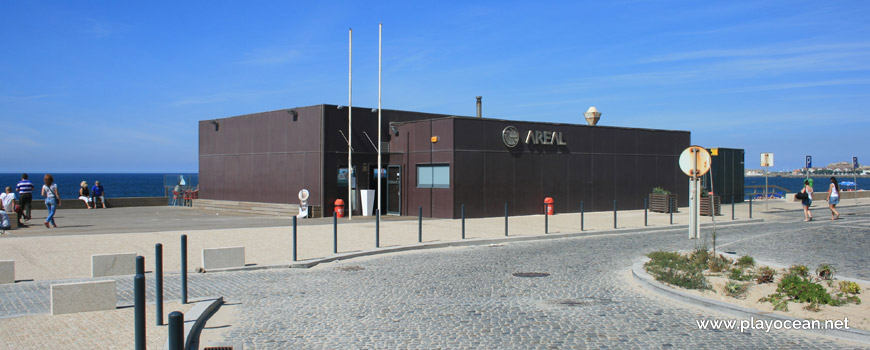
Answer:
(397, 183)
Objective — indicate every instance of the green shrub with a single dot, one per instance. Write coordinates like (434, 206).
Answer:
(738, 274)
(718, 263)
(676, 269)
(734, 289)
(779, 301)
(802, 289)
(850, 287)
(799, 270)
(746, 261)
(659, 190)
(700, 257)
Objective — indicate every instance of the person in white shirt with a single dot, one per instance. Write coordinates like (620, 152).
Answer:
(7, 203)
(834, 198)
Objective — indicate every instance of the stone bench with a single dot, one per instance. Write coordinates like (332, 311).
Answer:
(71, 298)
(7, 271)
(220, 258)
(113, 264)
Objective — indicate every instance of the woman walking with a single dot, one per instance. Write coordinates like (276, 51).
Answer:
(834, 198)
(85, 195)
(806, 202)
(52, 199)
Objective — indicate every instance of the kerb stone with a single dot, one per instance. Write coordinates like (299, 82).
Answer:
(7, 271)
(220, 258)
(113, 264)
(71, 298)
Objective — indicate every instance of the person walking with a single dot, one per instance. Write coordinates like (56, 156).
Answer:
(806, 202)
(25, 196)
(834, 198)
(85, 195)
(52, 199)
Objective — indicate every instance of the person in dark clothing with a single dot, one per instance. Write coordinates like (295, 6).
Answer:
(25, 196)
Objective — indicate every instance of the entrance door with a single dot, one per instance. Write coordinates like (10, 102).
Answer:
(394, 189)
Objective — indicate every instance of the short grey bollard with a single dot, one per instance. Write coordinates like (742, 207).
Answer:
(420, 225)
(614, 213)
(176, 331)
(158, 283)
(750, 207)
(582, 214)
(334, 233)
(377, 228)
(463, 221)
(184, 269)
(671, 209)
(294, 238)
(645, 208)
(505, 219)
(546, 219)
(139, 304)
(732, 207)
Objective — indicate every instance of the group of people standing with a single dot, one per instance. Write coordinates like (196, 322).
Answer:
(833, 199)
(52, 200)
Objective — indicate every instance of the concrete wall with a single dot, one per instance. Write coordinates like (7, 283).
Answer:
(76, 203)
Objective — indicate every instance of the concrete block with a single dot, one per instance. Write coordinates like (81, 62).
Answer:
(71, 298)
(7, 271)
(113, 264)
(219, 258)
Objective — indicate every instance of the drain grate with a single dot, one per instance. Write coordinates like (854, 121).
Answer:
(530, 274)
(350, 268)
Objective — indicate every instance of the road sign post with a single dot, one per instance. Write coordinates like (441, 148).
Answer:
(855, 176)
(695, 162)
(766, 162)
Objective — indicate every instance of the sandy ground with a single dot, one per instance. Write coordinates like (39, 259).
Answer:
(86, 330)
(858, 315)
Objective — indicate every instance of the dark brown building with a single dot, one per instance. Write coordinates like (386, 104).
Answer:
(437, 162)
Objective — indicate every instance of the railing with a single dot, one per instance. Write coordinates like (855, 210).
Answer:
(773, 191)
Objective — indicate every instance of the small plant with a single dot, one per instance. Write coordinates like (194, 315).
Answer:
(676, 269)
(746, 261)
(779, 301)
(799, 270)
(850, 287)
(734, 289)
(802, 289)
(826, 272)
(738, 274)
(765, 275)
(699, 257)
(659, 190)
(718, 263)
(814, 307)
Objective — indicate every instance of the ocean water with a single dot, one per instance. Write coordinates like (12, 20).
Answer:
(115, 185)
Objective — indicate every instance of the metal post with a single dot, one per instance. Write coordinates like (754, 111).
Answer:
(176, 331)
(158, 283)
(732, 207)
(463, 221)
(139, 303)
(294, 238)
(505, 219)
(420, 225)
(546, 219)
(750, 207)
(377, 228)
(581, 216)
(671, 208)
(334, 233)
(184, 269)
(645, 207)
(614, 213)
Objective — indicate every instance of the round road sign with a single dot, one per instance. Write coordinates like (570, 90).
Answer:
(695, 160)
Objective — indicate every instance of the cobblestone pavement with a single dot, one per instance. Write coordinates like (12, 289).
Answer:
(469, 297)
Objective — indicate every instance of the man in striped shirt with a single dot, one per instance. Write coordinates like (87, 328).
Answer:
(25, 196)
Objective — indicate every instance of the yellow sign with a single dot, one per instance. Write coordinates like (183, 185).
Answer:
(714, 151)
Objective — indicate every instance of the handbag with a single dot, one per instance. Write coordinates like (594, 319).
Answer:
(801, 195)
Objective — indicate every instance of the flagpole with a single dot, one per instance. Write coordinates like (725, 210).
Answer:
(349, 120)
(380, 50)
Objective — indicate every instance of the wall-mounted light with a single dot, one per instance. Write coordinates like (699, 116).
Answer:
(374, 110)
(433, 139)
(394, 130)
(339, 107)
(217, 125)
(294, 114)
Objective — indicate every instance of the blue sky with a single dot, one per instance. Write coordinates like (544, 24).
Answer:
(114, 86)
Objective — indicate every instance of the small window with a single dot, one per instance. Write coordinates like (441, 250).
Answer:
(433, 176)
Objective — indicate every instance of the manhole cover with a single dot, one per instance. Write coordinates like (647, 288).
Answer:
(350, 268)
(530, 274)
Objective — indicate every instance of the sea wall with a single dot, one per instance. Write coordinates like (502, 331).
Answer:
(75, 203)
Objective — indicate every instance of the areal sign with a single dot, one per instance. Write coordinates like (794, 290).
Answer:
(511, 137)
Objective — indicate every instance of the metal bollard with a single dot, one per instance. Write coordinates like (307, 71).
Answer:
(750, 207)
(158, 283)
(546, 220)
(581, 216)
(334, 233)
(732, 207)
(139, 303)
(294, 238)
(645, 207)
(614, 213)
(377, 228)
(505, 219)
(463, 221)
(176, 331)
(420, 225)
(184, 269)
(671, 209)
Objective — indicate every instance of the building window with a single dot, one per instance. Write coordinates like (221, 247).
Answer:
(433, 176)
